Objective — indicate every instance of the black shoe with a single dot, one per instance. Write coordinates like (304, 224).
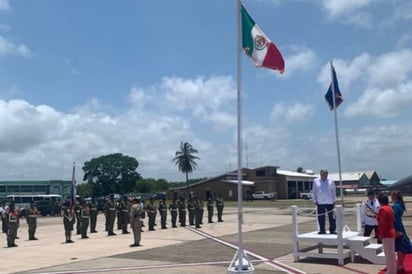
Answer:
(12, 245)
(33, 239)
(152, 229)
(174, 226)
(69, 241)
(127, 232)
(321, 232)
(85, 237)
(17, 237)
(112, 234)
(141, 230)
(198, 226)
(333, 232)
(210, 222)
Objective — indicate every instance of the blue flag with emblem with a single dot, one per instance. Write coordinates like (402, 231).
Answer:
(333, 90)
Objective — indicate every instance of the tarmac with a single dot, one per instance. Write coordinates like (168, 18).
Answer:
(266, 237)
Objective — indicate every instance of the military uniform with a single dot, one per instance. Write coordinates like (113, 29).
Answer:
(201, 211)
(191, 209)
(219, 206)
(182, 212)
(136, 212)
(196, 204)
(210, 210)
(151, 213)
(93, 215)
(31, 218)
(110, 210)
(163, 213)
(13, 220)
(77, 211)
(173, 212)
(85, 216)
(124, 215)
(69, 218)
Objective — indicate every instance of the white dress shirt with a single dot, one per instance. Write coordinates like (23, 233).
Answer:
(369, 210)
(323, 191)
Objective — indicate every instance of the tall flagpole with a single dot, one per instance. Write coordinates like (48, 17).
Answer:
(240, 263)
(336, 131)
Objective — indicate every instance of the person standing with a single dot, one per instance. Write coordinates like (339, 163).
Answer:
(163, 213)
(93, 215)
(110, 210)
(69, 218)
(219, 207)
(324, 196)
(201, 204)
(151, 213)
(136, 212)
(173, 212)
(85, 217)
(124, 214)
(31, 218)
(13, 220)
(3, 215)
(402, 242)
(77, 211)
(387, 233)
(210, 209)
(370, 209)
(182, 211)
(191, 210)
(196, 204)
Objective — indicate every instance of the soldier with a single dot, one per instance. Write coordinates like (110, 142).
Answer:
(191, 209)
(182, 211)
(136, 212)
(31, 218)
(93, 215)
(201, 211)
(219, 206)
(77, 210)
(13, 218)
(163, 213)
(69, 218)
(196, 204)
(173, 212)
(210, 210)
(110, 210)
(151, 213)
(124, 214)
(85, 216)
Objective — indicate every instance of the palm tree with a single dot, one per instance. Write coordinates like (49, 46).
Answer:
(185, 160)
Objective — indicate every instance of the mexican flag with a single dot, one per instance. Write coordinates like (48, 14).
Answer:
(258, 46)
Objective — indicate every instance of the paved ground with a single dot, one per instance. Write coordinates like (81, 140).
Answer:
(266, 234)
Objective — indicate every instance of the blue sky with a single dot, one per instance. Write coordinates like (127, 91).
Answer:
(80, 79)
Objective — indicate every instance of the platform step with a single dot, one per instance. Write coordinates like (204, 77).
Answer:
(376, 247)
(363, 239)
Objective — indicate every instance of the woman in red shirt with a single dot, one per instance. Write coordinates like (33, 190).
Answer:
(387, 233)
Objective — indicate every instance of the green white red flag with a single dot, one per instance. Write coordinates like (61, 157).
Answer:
(258, 46)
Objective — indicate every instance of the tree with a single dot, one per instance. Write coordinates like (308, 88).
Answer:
(84, 190)
(112, 173)
(185, 160)
(300, 170)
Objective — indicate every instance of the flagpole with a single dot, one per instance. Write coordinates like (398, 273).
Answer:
(336, 132)
(240, 263)
(74, 190)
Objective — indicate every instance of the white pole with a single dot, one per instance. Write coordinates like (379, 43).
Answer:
(336, 132)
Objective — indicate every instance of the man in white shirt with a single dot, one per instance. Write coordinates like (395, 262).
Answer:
(324, 196)
(369, 210)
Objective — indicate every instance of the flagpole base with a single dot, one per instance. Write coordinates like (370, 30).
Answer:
(247, 266)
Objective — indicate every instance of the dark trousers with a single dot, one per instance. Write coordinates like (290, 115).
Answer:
(322, 209)
(368, 231)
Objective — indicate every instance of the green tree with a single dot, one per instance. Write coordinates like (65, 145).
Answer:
(300, 169)
(112, 173)
(185, 160)
(84, 190)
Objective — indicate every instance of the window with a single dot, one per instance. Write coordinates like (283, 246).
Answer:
(260, 172)
(13, 189)
(40, 189)
(26, 188)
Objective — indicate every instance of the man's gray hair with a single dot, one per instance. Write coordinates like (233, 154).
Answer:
(324, 170)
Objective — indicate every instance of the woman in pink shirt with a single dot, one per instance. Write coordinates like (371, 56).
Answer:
(387, 233)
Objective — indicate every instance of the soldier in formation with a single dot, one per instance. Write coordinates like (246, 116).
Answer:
(13, 222)
(196, 204)
(163, 213)
(85, 217)
(31, 218)
(191, 210)
(173, 212)
(210, 209)
(151, 213)
(93, 215)
(110, 211)
(182, 211)
(219, 206)
(124, 206)
(136, 212)
(77, 211)
(69, 218)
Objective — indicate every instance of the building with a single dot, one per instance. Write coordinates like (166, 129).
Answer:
(60, 187)
(355, 181)
(285, 184)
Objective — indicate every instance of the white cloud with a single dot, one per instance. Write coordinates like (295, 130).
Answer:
(291, 113)
(336, 8)
(9, 48)
(403, 10)
(4, 28)
(303, 59)
(382, 103)
(4, 5)
(71, 67)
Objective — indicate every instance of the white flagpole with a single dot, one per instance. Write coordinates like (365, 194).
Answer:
(240, 263)
(336, 132)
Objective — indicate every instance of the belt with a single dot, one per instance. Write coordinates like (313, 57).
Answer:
(125, 210)
(85, 217)
(112, 209)
(93, 208)
(32, 216)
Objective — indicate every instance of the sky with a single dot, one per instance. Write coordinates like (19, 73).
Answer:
(81, 79)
